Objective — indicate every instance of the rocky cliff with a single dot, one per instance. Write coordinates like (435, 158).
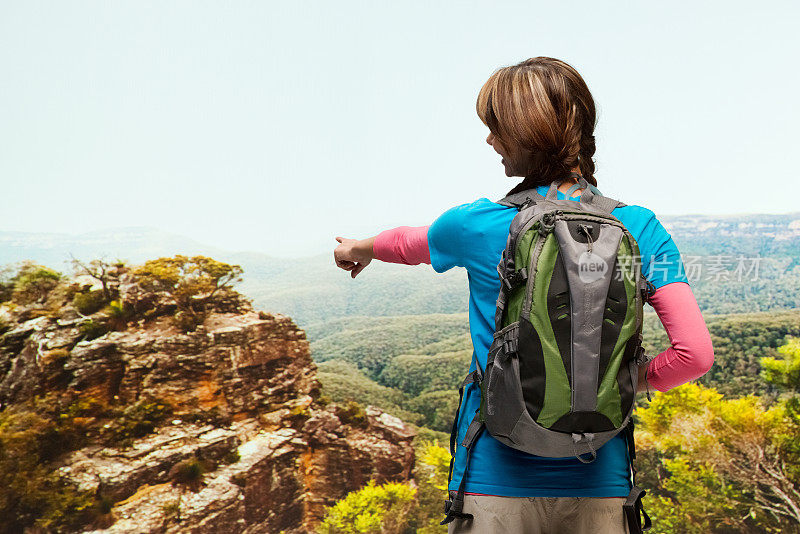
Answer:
(217, 429)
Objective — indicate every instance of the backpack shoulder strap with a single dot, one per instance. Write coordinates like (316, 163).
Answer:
(606, 204)
(592, 195)
(519, 199)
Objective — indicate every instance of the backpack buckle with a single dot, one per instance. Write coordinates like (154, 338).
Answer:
(648, 290)
(527, 202)
(453, 507)
(547, 224)
(514, 279)
(640, 356)
(634, 511)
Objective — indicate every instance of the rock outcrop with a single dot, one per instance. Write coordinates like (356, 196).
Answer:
(244, 413)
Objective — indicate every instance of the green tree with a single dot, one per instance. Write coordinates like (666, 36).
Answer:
(724, 461)
(374, 508)
(100, 270)
(430, 473)
(193, 282)
(6, 283)
(784, 372)
(33, 282)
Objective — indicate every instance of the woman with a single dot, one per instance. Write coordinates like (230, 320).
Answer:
(541, 119)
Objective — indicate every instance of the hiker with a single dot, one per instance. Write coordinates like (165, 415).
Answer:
(541, 120)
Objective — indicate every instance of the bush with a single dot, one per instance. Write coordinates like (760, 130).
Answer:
(385, 508)
(430, 472)
(189, 473)
(232, 456)
(172, 510)
(31, 493)
(118, 314)
(188, 322)
(193, 283)
(89, 302)
(35, 435)
(6, 284)
(92, 329)
(33, 282)
(352, 414)
(137, 420)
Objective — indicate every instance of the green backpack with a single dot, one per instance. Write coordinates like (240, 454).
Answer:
(562, 370)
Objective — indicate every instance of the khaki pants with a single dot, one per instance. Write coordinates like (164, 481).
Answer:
(541, 515)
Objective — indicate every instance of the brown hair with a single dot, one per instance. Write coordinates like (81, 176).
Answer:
(541, 108)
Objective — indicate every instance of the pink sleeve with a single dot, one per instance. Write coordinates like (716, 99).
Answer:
(404, 244)
(691, 354)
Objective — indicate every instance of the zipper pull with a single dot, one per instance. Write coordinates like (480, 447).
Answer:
(588, 232)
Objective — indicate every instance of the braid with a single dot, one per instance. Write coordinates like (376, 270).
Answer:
(586, 153)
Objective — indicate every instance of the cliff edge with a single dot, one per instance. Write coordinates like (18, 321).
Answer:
(160, 428)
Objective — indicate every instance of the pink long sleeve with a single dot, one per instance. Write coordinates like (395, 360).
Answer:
(404, 244)
(691, 354)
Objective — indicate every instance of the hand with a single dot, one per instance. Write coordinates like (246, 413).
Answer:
(353, 254)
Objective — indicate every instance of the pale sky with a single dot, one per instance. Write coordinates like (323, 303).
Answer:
(275, 126)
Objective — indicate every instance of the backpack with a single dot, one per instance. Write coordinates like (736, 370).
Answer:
(562, 370)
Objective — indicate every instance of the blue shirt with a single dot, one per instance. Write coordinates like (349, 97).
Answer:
(473, 236)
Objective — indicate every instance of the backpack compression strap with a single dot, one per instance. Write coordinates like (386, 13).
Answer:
(633, 508)
(454, 506)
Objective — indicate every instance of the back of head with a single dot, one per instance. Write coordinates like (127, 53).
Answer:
(541, 110)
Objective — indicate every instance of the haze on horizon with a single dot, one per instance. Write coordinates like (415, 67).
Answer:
(274, 127)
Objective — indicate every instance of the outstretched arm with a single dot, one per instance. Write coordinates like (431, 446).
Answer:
(404, 244)
(691, 353)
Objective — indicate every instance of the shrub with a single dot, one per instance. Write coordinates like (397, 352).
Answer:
(137, 420)
(89, 302)
(91, 329)
(353, 414)
(118, 314)
(33, 282)
(385, 508)
(102, 271)
(187, 322)
(6, 284)
(172, 510)
(232, 456)
(31, 493)
(193, 283)
(190, 472)
(430, 472)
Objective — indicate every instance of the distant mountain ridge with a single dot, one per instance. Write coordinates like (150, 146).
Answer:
(133, 243)
(313, 290)
(758, 233)
(140, 243)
